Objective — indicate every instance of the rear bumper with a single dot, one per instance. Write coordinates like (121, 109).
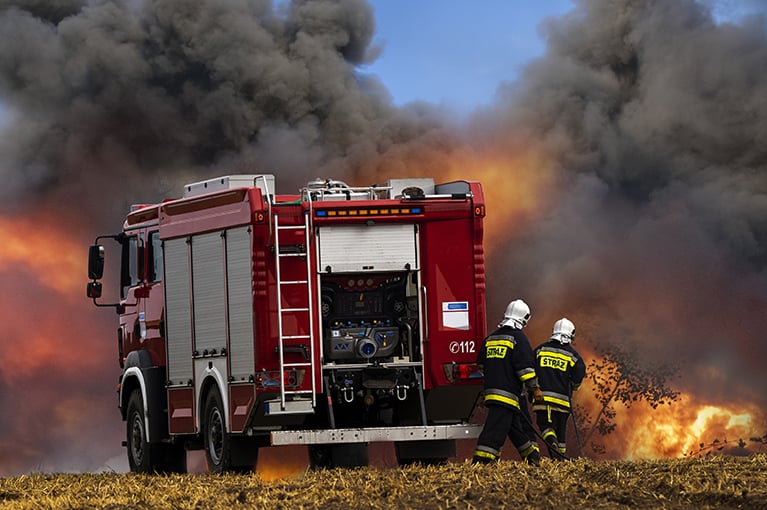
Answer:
(373, 435)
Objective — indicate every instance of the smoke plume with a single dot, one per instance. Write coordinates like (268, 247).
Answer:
(655, 117)
(157, 91)
(624, 172)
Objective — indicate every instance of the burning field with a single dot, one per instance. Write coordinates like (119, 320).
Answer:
(626, 181)
(714, 482)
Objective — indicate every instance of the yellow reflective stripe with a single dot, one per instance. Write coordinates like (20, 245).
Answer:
(480, 453)
(558, 401)
(498, 343)
(501, 398)
(563, 357)
(530, 449)
(529, 375)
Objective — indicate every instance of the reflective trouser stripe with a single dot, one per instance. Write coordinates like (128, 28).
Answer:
(528, 448)
(487, 452)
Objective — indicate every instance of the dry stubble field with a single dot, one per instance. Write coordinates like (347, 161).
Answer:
(711, 482)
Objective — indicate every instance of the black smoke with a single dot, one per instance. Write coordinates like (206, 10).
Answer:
(153, 92)
(654, 115)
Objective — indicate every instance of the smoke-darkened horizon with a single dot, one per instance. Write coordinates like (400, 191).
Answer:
(626, 175)
(656, 235)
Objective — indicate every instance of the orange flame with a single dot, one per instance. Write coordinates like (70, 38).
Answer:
(686, 428)
(514, 185)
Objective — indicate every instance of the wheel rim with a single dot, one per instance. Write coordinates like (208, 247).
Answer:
(137, 439)
(216, 436)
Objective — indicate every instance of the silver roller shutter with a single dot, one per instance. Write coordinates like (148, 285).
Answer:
(209, 292)
(355, 248)
(238, 263)
(178, 310)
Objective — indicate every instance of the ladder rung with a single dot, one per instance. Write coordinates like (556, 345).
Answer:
(301, 254)
(293, 282)
(290, 227)
(295, 310)
(293, 337)
(298, 392)
(294, 365)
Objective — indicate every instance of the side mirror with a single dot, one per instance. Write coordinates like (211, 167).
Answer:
(94, 290)
(95, 264)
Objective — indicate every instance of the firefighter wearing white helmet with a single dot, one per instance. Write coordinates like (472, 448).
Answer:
(560, 370)
(508, 364)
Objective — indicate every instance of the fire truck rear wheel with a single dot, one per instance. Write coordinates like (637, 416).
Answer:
(217, 441)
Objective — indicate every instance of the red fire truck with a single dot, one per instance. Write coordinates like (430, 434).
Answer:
(332, 318)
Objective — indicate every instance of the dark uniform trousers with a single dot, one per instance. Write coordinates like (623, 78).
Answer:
(553, 426)
(502, 421)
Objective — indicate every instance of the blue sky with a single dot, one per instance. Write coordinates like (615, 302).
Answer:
(456, 52)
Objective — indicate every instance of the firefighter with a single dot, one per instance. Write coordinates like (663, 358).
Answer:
(508, 363)
(560, 371)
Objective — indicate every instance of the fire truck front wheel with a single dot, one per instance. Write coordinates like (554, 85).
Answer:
(218, 442)
(145, 457)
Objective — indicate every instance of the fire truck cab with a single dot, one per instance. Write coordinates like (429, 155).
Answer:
(332, 318)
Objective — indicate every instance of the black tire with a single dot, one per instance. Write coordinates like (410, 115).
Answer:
(145, 457)
(218, 442)
(139, 450)
(215, 439)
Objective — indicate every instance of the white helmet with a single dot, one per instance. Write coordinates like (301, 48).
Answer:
(517, 314)
(564, 331)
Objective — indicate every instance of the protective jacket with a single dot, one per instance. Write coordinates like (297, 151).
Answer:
(560, 370)
(508, 363)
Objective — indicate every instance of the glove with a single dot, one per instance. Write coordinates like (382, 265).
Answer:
(536, 396)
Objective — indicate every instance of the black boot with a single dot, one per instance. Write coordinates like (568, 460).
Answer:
(533, 458)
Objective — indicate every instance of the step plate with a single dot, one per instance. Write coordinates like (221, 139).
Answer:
(272, 407)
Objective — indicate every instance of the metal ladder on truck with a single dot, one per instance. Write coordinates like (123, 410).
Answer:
(294, 401)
